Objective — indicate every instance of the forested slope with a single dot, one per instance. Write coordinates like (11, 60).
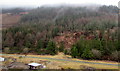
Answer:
(90, 34)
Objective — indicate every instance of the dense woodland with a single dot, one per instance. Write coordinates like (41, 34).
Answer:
(36, 31)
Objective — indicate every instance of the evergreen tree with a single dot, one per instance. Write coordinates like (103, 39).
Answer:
(61, 48)
(51, 48)
(87, 54)
(74, 52)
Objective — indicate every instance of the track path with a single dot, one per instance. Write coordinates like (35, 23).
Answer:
(68, 60)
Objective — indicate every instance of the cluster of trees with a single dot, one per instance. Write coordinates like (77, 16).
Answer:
(109, 9)
(74, 18)
(96, 49)
(36, 32)
(41, 47)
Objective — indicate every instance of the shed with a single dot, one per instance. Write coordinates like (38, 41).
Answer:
(2, 59)
(34, 65)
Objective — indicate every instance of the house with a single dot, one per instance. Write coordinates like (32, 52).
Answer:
(36, 66)
(2, 59)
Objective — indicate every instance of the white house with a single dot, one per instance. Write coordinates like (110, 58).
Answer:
(36, 66)
(2, 59)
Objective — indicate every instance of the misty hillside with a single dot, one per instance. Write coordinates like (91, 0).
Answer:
(65, 11)
(82, 32)
(73, 18)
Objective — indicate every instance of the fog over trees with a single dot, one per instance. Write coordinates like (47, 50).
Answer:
(36, 31)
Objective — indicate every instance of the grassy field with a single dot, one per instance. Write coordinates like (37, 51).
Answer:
(9, 20)
(56, 64)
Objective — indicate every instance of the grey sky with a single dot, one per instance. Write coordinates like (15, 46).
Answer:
(45, 2)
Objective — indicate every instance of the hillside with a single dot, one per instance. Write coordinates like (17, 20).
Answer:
(77, 31)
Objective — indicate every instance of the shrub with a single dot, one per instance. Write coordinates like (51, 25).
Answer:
(87, 54)
(74, 52)
(97, 54)
(67, 51)
(51, 48)
(6, 50)
(61, 48)
(115, 55)
(25, 50)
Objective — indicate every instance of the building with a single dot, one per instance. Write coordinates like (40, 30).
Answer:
(2, 59)
(36, 66)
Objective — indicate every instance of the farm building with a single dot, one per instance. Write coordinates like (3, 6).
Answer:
(36, 66)
(2, 59)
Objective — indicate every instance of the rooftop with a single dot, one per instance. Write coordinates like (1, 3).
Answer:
(34, 64)
(2, 59)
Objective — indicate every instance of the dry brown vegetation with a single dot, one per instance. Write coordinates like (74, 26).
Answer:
(69, 38)
(9, 20)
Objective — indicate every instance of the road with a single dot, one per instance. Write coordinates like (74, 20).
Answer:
(109, 64)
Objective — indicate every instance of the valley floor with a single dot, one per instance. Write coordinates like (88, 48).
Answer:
(62, 61)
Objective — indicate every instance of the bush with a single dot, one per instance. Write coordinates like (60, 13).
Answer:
(115, 55)
(51, 48)
(74, 52)
(67, 51)
(87, 54)
(97, 54)
(61, 48)
(7, 50)
(25, 50)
